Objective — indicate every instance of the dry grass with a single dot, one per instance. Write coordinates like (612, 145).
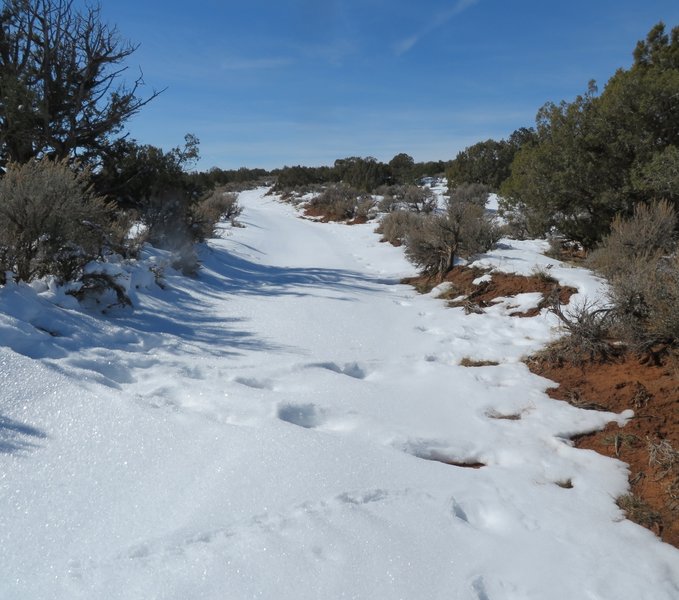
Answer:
(640, 512)
(620, 441)
(470, 362)
(661, 454)
(587, 338)
(493, 414)
(543, 274)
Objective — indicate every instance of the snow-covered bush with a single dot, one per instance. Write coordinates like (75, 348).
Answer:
(50, 220)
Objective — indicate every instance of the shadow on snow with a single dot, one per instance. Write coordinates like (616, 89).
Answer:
(177, 320)
(224, 272)
(17, 437)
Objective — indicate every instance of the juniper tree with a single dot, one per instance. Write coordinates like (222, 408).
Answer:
(60, 81)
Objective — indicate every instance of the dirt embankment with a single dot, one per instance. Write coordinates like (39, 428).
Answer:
(649, 442)
(478, 296)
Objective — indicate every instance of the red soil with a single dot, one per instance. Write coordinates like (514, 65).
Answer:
(500, 285)
(649, 442)
(652, 392)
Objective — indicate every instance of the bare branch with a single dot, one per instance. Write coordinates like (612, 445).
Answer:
(61, 80)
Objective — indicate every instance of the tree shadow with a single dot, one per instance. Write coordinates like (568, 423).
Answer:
(16, 437)
(181, 318)
(225, 272)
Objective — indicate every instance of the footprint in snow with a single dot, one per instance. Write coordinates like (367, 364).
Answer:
(479, 587)
(253, 382)
(307, 415)
(365, 497)
(458, 511)
(352, 369)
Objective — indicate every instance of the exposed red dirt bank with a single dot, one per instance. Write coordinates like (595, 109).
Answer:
(649, 443)
(500, 285)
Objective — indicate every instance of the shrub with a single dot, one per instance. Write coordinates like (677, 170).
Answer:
(430, 245)
(542, 274)
(418, 199)
(365, 207)
(648, 234)
(218, 206)
(407, 197)
(389, 202)
(396, 226)
(155, 184)
(437, 240)
(50, 220)
(588, 332)
(167, 218)
(646, 299)
(95, 287)
(477, 229)
(475, 193)
(336, 203)
(637, 259)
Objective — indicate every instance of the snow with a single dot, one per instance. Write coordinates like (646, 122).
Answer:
(275, 428)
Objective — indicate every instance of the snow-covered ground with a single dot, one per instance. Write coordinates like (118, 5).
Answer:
(275, 429)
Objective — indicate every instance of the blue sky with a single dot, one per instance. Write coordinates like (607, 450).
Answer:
(268, 83)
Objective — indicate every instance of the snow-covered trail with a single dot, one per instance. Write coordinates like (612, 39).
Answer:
(274, 429)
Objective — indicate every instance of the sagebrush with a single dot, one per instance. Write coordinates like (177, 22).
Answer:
(51, 222)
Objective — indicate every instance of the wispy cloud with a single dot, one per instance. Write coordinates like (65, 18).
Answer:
(248, 64)
(434, 23)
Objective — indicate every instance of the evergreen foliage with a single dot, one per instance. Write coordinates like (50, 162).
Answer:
(402, 168)
(59, 80)
(364, 174)
(488, 162)
(600, 155)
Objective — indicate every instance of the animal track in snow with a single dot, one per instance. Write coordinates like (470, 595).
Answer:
(479, 587)
(253, 382)
(458, 511)
(365, 497)
(307, 415)
(351, 369)
(435, 451)
(429, 330)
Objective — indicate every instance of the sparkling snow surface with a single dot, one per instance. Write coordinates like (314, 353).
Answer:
(276, 429)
